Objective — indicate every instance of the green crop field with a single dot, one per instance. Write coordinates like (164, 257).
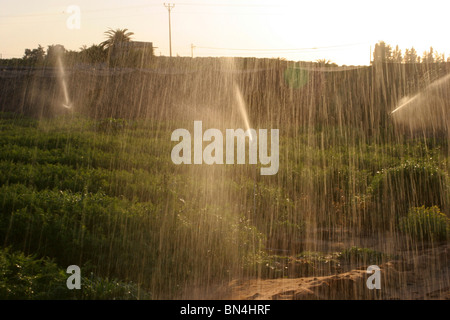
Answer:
(141, 227)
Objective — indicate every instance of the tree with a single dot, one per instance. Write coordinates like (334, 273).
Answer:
(54, 52)
(382, 52)
(326, 63)
(406, 56)
(115, 37)
(94, 54)
(397, 55)
(35, 55)
(410, 56)
(439, 57)
(428, 57)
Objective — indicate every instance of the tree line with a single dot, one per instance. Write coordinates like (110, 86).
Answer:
(106, 52)
(385, 53)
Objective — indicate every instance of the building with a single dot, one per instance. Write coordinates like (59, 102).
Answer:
(133, 52)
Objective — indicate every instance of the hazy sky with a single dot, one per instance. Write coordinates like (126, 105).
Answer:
(342, 31)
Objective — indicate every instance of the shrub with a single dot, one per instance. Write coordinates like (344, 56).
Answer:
(31, 278)
(412, 184)
(362, 255)
(124, 239)
(425, 224)
(112, 125)
(25, 277)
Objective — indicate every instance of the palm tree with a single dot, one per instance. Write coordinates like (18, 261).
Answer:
(113, 42)
(115, 37)
(323, 61)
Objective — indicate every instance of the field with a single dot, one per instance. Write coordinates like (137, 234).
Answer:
(102, 193)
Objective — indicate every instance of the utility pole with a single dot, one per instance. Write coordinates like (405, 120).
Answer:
(192, 50)
(169, 7)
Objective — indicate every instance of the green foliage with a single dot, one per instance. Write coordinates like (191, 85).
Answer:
(93, 54)
(68, 226)
(110, 289)
(34, 56)
(382, 52)
(426, 224)
(105, 194)
(413, 183)
(296, 77)
(115, 37)
(110, 234)
(304, 264)
(357, 255)
(26, 277)
(73, 193)
(112, 125)
(55, 52)
(31, 278)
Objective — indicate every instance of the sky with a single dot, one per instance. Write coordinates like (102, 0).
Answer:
(344, 32)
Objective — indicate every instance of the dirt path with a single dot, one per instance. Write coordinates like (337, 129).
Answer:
(424, 277)
(414, 275)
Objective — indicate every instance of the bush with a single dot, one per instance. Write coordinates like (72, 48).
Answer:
(73, 227)
(425, 224)
(25, 277)
(124, 239)
(112, 125)
(412, 184)
(30, 278)
(362, 255)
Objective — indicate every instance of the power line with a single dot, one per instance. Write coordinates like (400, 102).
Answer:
(137, 7)
(280, 50)
(227, 4)
(84, 11)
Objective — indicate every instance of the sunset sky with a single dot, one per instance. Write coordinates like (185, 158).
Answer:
(342, 31)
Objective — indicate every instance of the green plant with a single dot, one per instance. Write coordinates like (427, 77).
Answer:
(426, 224)
(112, 125)
(411, 184)
(362, 255)
(27, 277)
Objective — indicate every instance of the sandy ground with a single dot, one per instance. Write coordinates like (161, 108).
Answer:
(416, 274)
(426, 276)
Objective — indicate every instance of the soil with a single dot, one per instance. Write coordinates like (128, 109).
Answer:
(422, 276)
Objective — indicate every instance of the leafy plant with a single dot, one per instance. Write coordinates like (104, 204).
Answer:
(362, 255)
(411, 184)
(112, 125)
(31, 278)
(426, 224)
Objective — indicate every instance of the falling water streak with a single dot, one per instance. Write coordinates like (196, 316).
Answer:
(242, 109)
(62, 78)
(429, 87)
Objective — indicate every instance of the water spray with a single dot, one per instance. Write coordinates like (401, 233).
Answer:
(62, 77)
(242, 109)
(405, 101)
